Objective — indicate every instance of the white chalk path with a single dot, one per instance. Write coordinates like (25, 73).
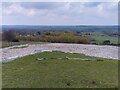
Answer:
(103, 51)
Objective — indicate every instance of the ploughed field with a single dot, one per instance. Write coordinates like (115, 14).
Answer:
(56, 71)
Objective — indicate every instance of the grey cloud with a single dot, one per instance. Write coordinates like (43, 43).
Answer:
(42, 5)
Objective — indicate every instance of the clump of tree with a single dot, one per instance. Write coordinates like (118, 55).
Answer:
(9, 36)
(106, 42)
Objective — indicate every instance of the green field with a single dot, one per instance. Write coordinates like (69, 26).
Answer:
(27, 72)
(100, 37)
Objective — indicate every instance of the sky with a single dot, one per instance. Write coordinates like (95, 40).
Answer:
(59, 13)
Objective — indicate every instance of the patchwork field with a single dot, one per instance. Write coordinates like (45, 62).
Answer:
(56, 71)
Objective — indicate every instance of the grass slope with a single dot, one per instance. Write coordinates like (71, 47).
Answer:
(27, 72)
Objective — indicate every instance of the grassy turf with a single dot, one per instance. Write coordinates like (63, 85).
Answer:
(27, 72)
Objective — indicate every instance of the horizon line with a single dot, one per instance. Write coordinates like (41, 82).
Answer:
(57, 25)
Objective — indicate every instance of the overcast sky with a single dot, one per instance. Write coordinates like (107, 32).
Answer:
(59, 13)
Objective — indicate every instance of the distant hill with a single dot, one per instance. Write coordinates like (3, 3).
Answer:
(59, 28)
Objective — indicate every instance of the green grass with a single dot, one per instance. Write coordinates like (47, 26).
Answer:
(8, 44)
(99, 38)
(27, 72)
(33, 42)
